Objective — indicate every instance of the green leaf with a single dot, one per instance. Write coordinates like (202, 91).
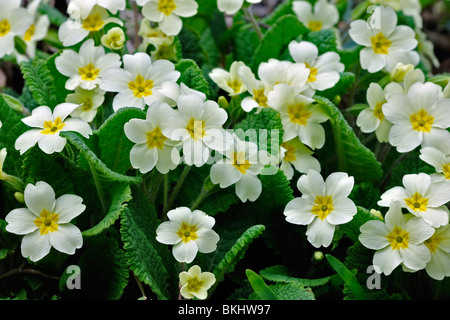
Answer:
(352, 156)
(59, 80)
(113, 145)
(263, 291)
(192, 76)
(150, 261)
(346, 80)
(277, 39)
(40, 82)
(347, 276)
(292, 291)
(282, 274)
(351, 228)
(325, 40)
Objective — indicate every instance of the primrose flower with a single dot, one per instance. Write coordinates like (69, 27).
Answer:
(167, 13)
(402, 80)
(232, 6)
(231, 82)
(386, 44)
(198, 126)
(82, 8)
(3, 154)
(322, 206)
(256, 88)
(114, 39)
(296, 155)
(189, 232)
(240, 166)
(195, 283)
(397, 240)
(323, 70)
(86, 68)
(88, 100)
(439, 159)
(324, 15)
(422, 197)
(47, 127)
(153, 35)
(372, 119)
(73, 31)
(419, 117)
(439, 246)
(299, 116)
(45, 222)
(138, 83)
(14, 21)
(152, 148)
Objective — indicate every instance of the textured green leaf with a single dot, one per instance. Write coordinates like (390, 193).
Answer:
(348, 277)
(324, 39)
(59, 80)
(149, 260)
(282, 274)
(262, 290)
(352, 156)
(113, 145)
(192, 76)
(277, 39)
(245, 42)
(40, 82)
(292, 291)
(283, 9)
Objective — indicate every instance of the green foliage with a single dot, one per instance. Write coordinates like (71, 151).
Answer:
(263, 291)
(192, 76)
(347, 276)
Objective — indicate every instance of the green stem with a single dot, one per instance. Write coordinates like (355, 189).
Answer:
(253, 21)
(207, 190)
(168, 204)
(154, 186)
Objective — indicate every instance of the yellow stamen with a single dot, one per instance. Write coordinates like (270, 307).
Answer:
(380, 44)
(239, 162)
(298, 114)
(235, 85)
(47, 222)
(446, 170)
(93, 22)
(166, 6)
(433, 242)
(417, 202)
(29, 33)
(398, 238)
(378, 111)
(5, 27)
(260, 97)
(196, 128)
(289, 154)
(53, 127)
(187, 232)
(89, 72)
(315, 25)
(141, 87)
(421, 121)
(323, 206)
(155, 139)
(194, 284)
(312, 73)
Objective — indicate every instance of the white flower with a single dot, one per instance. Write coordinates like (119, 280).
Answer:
(232, 6)
(422, 197)
(408, 7)
(3, 154)
(73, 31)
(322, 206)
(372, 119)
(299, 116)
(82, 8)
(398, 240)
(47, 127)
(324, 16)
(86, 68)
(114, 39)
(189, 232)
(152, 148)
(231, 82)
(138, 83)
(323, 70)
(14, 21)
(439, 159)
(195, 283)
(258, 90)
(168, 12)
(173, 90)
(45, 222)
(419, 117)
(385, 45)
(240, 166)
(88, 100)
(198, 125)
(296, 155)
(153, 35)
(402, 83)
(439, 246)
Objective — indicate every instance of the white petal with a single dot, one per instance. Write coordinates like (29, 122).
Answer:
(66, 239)
(35, 246)
(386, 260)
(39, 197)
(311, 184)
(404, 137)
(320, 233)
(298, 211)
(78, 125)
(21, 221)
(394, 194)
(51, 143)
(224, 174)
(185, 252)
(207, 241)
(415, 257)
(143, 158)
(339, 185)
(171, 25)
(68, 206)
(27, 139)
(249, 187)
(373, 234)
(344, 210)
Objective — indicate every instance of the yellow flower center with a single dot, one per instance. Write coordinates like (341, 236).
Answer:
(298, 114)
(239, 162)
(47, 221)
(380, 44)
(141, 87)
(88, 104)
(421, 121)
(446, 170)
(312, 73)
(260, 97)
(417, 202)
(187, 232)
(315, 25)
(194, 284)
(5, 27)
(322, 206)
(93, 22)
(196, 128)
(166, 6)
(29, 33)
(155, 139)
(235, 85)
(378, 111)
(89, 72)
(398, 238)
(53, 127)
(289, 154)
(433, 242)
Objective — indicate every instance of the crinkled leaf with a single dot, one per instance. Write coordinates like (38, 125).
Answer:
(282, 274)
(262, 290)
(192, 76)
